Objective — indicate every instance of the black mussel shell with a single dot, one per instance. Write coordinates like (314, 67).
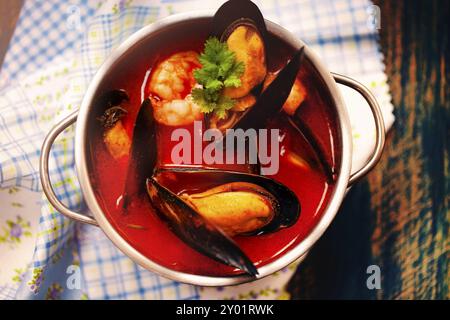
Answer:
(143, 154)
(304, 129)
(237, 12)
(111, 105)
(241, 22)
(271, 101)
(113, 98)
(196, 231)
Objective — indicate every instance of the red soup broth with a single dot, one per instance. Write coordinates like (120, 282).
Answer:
(143, 229)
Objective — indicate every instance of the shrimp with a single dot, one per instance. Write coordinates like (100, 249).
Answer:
(178, 112)
(295, 98)
(170, 87)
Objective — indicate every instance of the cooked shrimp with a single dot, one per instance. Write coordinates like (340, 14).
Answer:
(173, 78)
(170, 87)
(296, 96)
(179, 112)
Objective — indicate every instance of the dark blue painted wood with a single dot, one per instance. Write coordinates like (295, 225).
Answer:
(398, 217)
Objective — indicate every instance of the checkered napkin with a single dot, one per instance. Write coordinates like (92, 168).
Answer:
(340, 32)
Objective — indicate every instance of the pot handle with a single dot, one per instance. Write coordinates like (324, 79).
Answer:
(379, 125)
(45, 176)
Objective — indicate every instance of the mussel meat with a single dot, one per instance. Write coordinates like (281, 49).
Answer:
(296, 96)
(236, 207)
(115, 136)
(249, 48)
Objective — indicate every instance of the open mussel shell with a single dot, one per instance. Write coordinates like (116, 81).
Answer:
(237, 12)
(288, 207)
(143, 155)
(307, 133)
(196, 231)
(113, 98)
(110, 103)
(241, 25)
(271, 101)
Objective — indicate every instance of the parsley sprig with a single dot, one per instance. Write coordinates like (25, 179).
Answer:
(220, 70)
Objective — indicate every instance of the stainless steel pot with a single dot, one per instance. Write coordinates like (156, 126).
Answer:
(155, 33)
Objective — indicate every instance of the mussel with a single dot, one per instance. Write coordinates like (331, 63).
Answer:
(245, 32)
(305, 131)
(110, 102)
(235, 11)
(248, 46)
(238, 195)
(271, 100)
(196, 231)
(293, 112)
(143, 153)
(115, 136)
(195, 217)
(241, 24)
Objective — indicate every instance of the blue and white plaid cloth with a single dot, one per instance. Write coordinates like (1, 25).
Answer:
(54, 53)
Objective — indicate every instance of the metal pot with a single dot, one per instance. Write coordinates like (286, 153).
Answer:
(163, 31)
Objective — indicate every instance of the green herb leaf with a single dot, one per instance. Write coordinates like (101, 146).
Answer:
(220, 70)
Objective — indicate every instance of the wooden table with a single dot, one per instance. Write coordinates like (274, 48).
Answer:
(9, 13)
(398, 217)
